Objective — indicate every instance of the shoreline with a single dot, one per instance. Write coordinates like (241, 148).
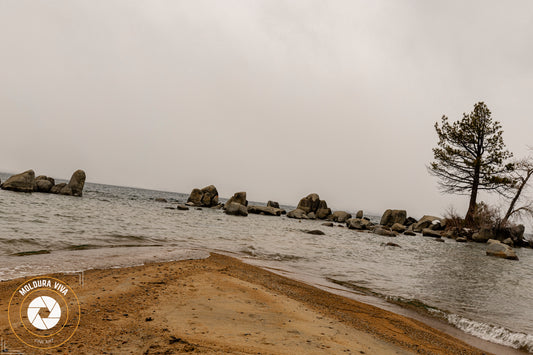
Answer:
(222, 289)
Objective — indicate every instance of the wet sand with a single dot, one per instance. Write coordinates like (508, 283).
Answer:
(221, 305)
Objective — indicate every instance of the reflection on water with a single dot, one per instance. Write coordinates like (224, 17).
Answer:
(453, 277)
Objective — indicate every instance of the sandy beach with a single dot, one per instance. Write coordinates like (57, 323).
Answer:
(221, 305)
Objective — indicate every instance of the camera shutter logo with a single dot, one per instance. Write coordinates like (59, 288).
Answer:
(44, 312)
(44, 302)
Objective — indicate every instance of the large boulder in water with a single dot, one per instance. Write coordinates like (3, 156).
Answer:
(236, 209)
(75, 185)
(23, 182)
(497, 249)
(206, 197)
(309, 203)
(238, 197)
(390, 217)
(313, 207)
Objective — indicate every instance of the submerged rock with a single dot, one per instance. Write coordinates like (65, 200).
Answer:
(298, 214)
(23, 182)
(160, 199)
(182, 208)
(358, 223)
(384, 232)
(427, 232)
(315, 232)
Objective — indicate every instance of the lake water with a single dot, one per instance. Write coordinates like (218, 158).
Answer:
(113, 226)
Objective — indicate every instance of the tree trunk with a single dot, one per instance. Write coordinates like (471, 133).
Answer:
(469, 218)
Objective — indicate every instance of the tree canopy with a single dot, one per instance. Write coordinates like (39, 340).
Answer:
(470, 155)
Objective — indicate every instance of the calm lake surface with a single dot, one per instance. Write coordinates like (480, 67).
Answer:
(113, 226)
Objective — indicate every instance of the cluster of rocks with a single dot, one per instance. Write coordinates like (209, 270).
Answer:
(27, 182)
(393, 221)
(206, 197)
(311, 207)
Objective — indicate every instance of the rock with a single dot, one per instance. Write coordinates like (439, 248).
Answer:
(397, 227)
(160, 199)
(500, 250)
(199, 209)
(236, 209)
(238, 197)
(273, 204)
(43, 177)
(483, 235)
(328, 224)
(438, 225)
(384, 232)
(438, 240)
(206, 197)
(169, 208)
(323, 213)
(410, 233)
(515, 233)
(391, 217)
(359, 214)
(358, 223)
(57, 188)
(269, 211)
(43, 185)
(391, 244)
(508, 242)
(298, 214)
(311, 215)
(427, 232)
(409, 221)
(75, 185)
(340, 216)
(182, 208)
(315, 232)
(309, 203)
(460, 240)
(424, 222)
(23, 182)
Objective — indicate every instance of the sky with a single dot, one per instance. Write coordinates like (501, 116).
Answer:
(276, 98)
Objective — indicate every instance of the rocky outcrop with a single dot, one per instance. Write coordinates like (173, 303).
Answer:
(238, 197)
(236, 209)
(391, 217)
(497, 249)
(268, 211)
(23, 182)
(340, 216)
(206, 197)
(358, 224)
(425, 222)
(312, 206)
(359, 214)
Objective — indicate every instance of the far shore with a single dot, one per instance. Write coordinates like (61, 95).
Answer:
(222, 305)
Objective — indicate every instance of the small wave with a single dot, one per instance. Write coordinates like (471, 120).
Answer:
(126, 236)
(495, 334)
(251, 251)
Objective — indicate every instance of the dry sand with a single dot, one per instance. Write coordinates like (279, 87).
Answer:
(221, 305)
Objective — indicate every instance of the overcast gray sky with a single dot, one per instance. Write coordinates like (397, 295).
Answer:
(276, 98)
